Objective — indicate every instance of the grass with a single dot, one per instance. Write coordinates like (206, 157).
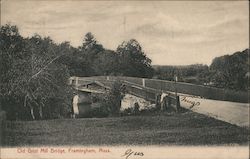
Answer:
(160, 129)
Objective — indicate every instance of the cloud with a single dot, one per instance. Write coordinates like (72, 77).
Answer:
(170, 32)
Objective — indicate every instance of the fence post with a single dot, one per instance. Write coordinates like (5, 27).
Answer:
(70, 81)
(158, 101)
(164, 103)
(77, 80)
(177, 104)
(143, 82)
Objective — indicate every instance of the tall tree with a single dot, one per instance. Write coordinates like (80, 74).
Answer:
(14, 68)
(231, 71)
(31, 76)
(106, 63)
(89, 41)
(49, 78)
(74, 59)
(133, 61)
(90, 49)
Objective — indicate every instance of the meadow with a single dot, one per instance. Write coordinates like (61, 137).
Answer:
(187, 128)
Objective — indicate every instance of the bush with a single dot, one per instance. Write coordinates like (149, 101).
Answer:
(110, 102)
(112, 99)
(99, 112)
(136, 111)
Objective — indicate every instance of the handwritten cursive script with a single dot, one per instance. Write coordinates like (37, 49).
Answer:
(193, 103)
(128, 153)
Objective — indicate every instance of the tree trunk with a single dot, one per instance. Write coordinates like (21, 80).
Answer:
(41, 112)
(32, 113)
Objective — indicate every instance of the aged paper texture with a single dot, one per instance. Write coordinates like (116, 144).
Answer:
(124, 79)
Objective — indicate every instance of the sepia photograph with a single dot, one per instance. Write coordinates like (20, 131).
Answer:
(124, 79)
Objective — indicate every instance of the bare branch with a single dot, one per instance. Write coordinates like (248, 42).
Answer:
(36, 74)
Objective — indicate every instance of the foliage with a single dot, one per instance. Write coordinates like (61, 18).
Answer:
(48, 83)
(75, 61)
(34, 71)
(99, 112)
(14, 68)
(106, 63)
(136, 111)
(112, 99)
(90, 49)
(127, 111)
(231, 71)
(133, 61)
(228, 71)
(110, 102)
(30, 75)
(197, 73)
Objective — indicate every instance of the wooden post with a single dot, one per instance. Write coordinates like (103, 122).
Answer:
(77, 80)
(158, 101)
(169, 100)
(143, 82)
(175, 82)
(162, 105)
(177, 104)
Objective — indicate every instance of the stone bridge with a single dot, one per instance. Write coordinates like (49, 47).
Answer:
(225, 105)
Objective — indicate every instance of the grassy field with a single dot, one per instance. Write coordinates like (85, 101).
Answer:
(162, 129)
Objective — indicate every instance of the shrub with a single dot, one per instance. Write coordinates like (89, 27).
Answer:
(112, 100)
(99, 112)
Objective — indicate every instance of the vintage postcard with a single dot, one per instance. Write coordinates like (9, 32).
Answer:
(123, 79)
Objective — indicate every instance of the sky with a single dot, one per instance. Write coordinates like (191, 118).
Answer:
(170, 32)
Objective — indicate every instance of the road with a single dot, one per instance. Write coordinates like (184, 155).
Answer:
(231, 112)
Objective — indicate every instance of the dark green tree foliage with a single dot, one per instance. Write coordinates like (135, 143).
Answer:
(14, 68)
(106, 63)
(33, 83)
(228, 71)
(90, 49)
(110, 101)
(133, 61)
(114, 97)
(80, 61)
(91, 59)
(197, 73)
(49, 87)
(231, 71)
(74, 60)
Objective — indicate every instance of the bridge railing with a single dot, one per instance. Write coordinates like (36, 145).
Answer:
(143, 92)
(188, 88)
(185, 88)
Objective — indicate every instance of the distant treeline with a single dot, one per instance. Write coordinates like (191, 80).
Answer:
(196, 73)
(228, 71)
